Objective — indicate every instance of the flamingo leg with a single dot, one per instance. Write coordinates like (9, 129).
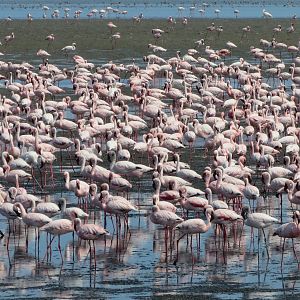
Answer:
(91, 255)
(266, 243)
(177, 249)
(59, 248)
(94, 254)
(295, 251)
(281, 207)
(282, 250)
(48, 247)
(38, 248)
(166, 242)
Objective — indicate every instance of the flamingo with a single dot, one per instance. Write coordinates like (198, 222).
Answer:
(58, 227)
(223, 217)
(111, 26)
(196, 204)
(31, 219)
(186, 174)
(89, 232)
(192, 226)
(267, 15)
(49, 209)
(165, 218)
(258, 220)
(69, 49)
(9, 38)
(250, 191)
(116, 205)
(293, 194)
(171, 195)
(289, 230)
(163, 205)
(69, 212)
(50, 38)
(79, 187)
(121, 167)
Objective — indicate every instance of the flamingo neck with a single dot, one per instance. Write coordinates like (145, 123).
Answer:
(67, 183)
(82, 164)
(177, 164)
(64, 205)
(23, 211)
(33, 205)
(4, 161)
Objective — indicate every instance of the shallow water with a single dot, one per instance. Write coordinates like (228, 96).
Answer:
(149, 9)
(136, 264)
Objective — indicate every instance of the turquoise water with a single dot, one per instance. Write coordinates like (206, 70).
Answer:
(149, 9)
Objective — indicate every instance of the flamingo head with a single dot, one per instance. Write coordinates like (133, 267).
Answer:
(93, 190)
(296, 217)
(17, 209)
(209, 211)
(66, 174)
(182, 191)
(245, 212)
(12, 192)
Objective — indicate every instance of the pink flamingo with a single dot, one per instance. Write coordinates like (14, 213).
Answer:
(259, 221)
(32, 218)
(165, 218)
(192, 226)
(223, 217)
(90, 232)
(79, 187)
(58, 227)
(196, 204)
(116, 205)
(289, 230)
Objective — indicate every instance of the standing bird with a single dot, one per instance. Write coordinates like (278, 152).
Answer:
(31, 219)
(223, 217)
(90, 232)
(236, 13)
(277, 29)
(291, 28)
(192, 226)
(68, 212)
(58, 227)
(289, 230)
(111, 26)
(217, 12)
(165, 218)
(219, 29)
(180, 10)
(231, 45)
(116, 205)
(50, 38)
(250, 191)
(114, 39)
(267, 15)
(43, 54)
(69, 49)
(259, 221)
(245, 30)
(79, 187)
(9, 38)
